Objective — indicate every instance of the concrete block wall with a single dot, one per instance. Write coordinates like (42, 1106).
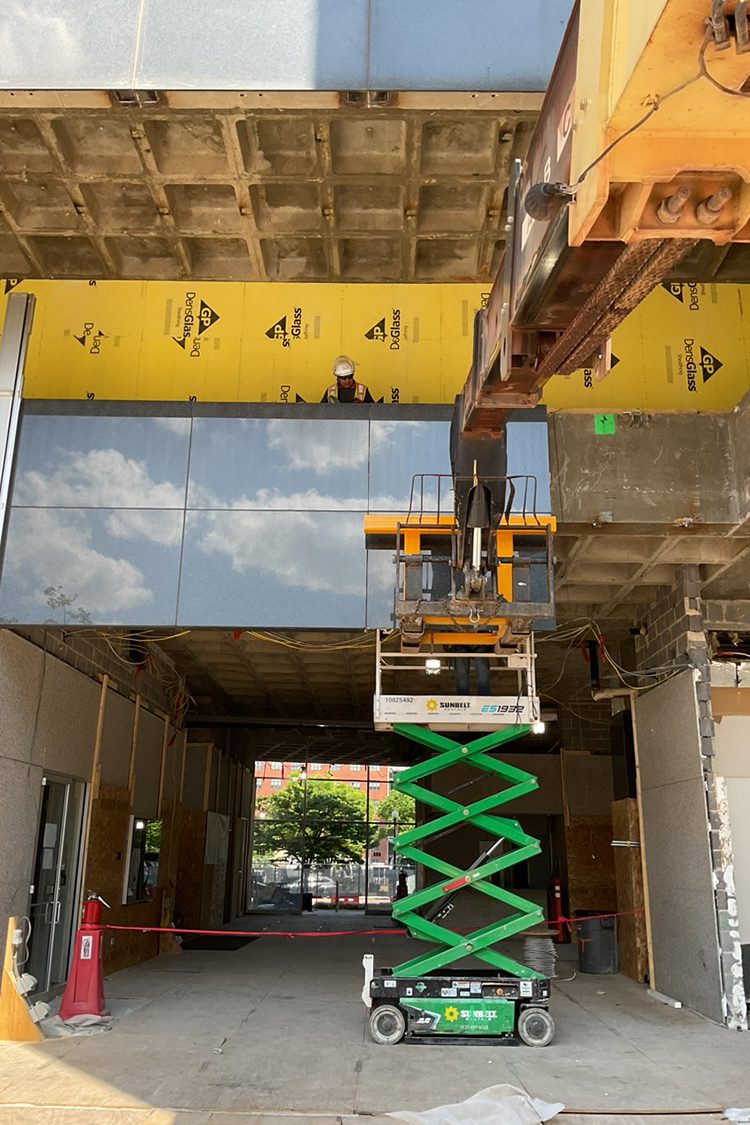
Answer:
(585, 726)
(94, 655)
(674, 625)
(726, 615)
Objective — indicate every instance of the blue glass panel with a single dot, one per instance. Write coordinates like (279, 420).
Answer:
(72, 566)
(381, 585)
(528, 452)
(398, 451)
(296, 569)
(101, 462)
(254, 45)
(270, 463)
(80, 45)
(464, 44)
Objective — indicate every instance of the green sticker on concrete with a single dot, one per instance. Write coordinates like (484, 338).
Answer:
(604, 423)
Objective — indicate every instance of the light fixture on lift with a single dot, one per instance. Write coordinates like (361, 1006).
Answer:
(538, 727)
(432, 666)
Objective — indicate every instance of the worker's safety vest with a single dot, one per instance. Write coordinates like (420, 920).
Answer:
(359, 394)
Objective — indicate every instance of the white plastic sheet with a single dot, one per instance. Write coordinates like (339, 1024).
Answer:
(497, 1105)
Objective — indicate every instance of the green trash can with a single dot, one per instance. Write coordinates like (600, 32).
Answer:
(597, 941)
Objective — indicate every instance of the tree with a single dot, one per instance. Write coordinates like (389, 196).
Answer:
(153, 836)
(397, 808)
(58, 599)
(313, 822)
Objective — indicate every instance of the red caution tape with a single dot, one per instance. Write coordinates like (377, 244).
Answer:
(251, 933)
(570, 922)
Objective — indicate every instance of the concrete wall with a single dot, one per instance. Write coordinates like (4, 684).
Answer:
(49, 718)
(50, 714)
(684, 932)
(668, 489)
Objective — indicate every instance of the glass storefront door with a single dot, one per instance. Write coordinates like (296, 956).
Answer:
(53, 892)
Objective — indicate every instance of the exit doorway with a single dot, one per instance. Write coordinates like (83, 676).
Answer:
(55, 881)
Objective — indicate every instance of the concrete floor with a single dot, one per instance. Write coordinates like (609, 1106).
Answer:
(275, 1032)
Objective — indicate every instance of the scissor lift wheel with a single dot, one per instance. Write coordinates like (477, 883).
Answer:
(387, 1024)
(536, 1027)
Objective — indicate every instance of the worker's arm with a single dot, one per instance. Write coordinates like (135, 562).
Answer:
(368, 397)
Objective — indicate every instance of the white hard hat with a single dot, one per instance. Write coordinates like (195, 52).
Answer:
(343, 367)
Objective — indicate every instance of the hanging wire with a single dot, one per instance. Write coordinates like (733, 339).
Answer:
(705, 73)
(658, 102)
(368, 641)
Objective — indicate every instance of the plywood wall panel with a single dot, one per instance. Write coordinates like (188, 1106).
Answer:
(105, 874)
(590, 864)
(632, 942)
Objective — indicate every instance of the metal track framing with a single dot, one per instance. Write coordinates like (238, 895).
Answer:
(481, 814)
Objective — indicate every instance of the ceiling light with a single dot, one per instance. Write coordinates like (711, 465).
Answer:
(539, 728)
(432, 665)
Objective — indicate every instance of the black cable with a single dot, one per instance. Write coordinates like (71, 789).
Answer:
(703, 72)
(658, 102)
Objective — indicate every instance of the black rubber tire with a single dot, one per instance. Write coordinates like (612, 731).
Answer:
(536, 1027)
(387, 1024)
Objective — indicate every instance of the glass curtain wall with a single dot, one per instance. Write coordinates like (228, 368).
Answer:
(325, 843)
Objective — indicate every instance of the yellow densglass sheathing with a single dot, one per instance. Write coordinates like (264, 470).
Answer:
(233, 342)
(684, 349)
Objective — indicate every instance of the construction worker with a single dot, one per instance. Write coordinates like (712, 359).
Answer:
(345, 389)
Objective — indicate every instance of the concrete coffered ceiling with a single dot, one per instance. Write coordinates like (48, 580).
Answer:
(258, 186)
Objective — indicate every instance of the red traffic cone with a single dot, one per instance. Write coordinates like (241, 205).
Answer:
(84, 992)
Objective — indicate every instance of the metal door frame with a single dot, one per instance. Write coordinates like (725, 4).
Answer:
(44, 987)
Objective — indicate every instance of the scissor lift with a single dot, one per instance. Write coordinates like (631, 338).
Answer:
(418, 998)
(495, 583)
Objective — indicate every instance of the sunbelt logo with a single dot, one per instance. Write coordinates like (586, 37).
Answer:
(387, 330)
(287, 330)
(697, 358)
(686, 292)
(195, 318)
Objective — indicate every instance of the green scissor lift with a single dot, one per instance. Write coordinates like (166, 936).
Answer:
(421, 999)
